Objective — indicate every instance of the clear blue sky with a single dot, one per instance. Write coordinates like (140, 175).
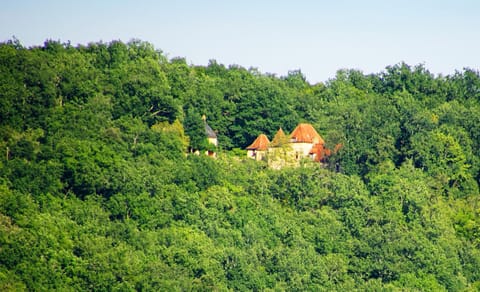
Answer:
(317, 37)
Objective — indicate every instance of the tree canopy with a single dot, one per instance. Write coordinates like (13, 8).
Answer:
(98, 191)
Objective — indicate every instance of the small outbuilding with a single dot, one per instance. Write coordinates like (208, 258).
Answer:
(258, 149)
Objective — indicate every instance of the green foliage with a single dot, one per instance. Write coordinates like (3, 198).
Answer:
(97, 191)
(195, 130)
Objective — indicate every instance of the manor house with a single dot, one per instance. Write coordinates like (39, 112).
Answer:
(303, 142)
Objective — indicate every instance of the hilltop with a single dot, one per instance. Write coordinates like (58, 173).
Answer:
(100, 190)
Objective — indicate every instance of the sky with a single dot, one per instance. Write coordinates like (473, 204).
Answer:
(316, 37)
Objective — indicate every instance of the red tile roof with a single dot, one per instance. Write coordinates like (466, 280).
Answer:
(261, 143)
(307, 134)
(321, 153)
(337, 147)
(316, 149)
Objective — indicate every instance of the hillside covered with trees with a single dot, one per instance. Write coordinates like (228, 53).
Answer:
(97, 192)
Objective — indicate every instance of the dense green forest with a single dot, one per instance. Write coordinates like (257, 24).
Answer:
(97, 192)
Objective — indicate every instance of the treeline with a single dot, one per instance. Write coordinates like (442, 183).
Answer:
(97, 192)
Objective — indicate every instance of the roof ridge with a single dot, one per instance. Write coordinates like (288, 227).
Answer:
(209, 131)
(260, 143)
(306, 133)
(279, 139)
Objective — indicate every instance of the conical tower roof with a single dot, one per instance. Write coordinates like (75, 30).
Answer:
(261, 143)
(208, 130)
(306, 133)
(279, 139)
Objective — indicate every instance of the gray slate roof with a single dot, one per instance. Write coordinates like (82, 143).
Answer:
(210, 133)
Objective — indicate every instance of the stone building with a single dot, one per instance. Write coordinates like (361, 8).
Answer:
(303, 143)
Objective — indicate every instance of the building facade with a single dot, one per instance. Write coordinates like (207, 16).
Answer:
(288, 150)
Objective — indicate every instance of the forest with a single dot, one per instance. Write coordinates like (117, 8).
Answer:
(98, 191)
